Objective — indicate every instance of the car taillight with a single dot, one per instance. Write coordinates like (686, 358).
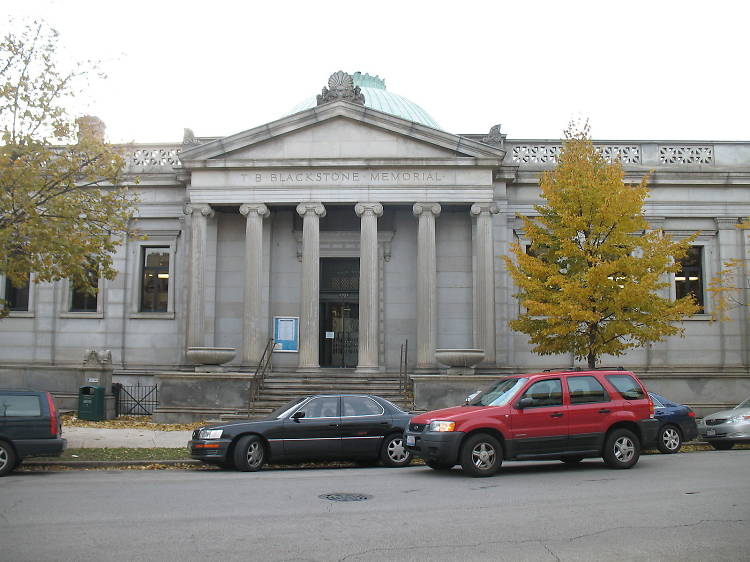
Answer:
(691, 414)
(52, 415)
(650, 408)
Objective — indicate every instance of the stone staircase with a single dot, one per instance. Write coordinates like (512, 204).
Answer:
(281, 387)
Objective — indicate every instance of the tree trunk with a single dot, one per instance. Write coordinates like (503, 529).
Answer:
(592, 360)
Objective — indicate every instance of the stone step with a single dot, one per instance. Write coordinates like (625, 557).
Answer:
(280, 387)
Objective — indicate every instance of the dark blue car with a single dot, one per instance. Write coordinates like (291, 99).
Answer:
(676, 424)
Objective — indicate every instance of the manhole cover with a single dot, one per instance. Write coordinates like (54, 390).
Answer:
(339, 497)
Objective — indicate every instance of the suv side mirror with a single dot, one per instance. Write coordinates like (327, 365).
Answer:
(525, 403)
(471, 396)
(298, 414)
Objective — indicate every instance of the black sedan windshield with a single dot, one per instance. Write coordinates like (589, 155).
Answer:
(499, 393)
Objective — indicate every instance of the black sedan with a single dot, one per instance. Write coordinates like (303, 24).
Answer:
(356, 427)
(676, 424)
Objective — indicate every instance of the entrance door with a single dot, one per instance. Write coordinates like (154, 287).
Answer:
(339, 312)
(339, 333)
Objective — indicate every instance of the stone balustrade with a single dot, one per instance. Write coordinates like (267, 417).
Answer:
(163, 158)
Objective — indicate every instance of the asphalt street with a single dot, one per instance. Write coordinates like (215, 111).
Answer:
(690, 506)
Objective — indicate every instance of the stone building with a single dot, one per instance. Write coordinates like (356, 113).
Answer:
(354, 224)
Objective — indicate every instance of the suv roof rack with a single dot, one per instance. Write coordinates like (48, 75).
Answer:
(574, 369)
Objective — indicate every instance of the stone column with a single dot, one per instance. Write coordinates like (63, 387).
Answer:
(484, 281)
(732, 334)
(368, 285)
(310, 306)
(426, 284)
(254, 329)
(196, 329)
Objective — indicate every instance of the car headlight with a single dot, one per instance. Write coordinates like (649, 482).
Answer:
(442, 425)
(210, 434)
(739, 419)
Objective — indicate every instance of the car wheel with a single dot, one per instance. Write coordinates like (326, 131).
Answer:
(438, 465)
(7, 458)
(249, 454)
(571, 459)
(393, 454)
(721, 445)
(481, 455)
(621, 449)
(670, 440)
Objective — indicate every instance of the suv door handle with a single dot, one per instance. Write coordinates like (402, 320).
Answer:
(605, 411)
(556, 415)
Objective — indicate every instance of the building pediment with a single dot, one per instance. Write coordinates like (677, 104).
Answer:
(338, 131)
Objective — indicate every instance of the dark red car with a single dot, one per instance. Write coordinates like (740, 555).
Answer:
(566, 415)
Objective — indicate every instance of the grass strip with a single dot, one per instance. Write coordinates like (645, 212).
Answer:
(122, 454)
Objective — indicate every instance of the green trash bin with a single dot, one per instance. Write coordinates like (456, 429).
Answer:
(91, 403)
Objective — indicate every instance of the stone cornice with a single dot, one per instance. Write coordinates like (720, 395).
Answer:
(462, 162)
(315, 115)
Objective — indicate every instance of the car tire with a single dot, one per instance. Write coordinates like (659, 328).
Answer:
(8, 459)
(393, 454)
(621, 449)
(438, 465)
(721, 445)
(571, 459)
(249, 454)
(669, 440)
(481, 455)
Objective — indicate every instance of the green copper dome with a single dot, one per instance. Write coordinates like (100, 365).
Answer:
(377, 97)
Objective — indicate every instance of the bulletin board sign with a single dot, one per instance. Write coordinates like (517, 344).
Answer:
(286, 334)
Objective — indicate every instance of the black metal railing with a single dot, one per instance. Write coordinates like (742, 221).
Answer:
(135, 400)
(405, 384)
(256, 385)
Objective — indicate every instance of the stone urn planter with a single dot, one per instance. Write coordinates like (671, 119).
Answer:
(459, 361)
(210, 359)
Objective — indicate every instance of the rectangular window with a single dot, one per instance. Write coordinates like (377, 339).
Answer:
(585, 390)
(626, 385)
(689, 280)
(19, 405)
(154, 279)
(17, 298)
(85, 299)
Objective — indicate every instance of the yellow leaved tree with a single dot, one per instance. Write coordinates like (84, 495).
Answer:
(589, 281)
(62, 212)
(730, 287)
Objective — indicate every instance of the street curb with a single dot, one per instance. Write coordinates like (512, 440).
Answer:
(108, 464)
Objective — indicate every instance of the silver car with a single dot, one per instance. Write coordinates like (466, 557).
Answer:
(725, 428)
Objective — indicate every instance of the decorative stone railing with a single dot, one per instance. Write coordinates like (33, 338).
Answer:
(151, 158)
(162, 158)
(541, 153)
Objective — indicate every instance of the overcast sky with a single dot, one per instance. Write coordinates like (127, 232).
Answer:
(657, 69)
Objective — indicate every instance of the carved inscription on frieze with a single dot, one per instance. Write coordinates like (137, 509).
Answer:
(344, 177)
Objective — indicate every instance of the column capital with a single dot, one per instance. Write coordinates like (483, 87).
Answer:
(368, 209)
(311, 208)
(727, 223)
(484, 208)
(202, 208)
(420, 208)
(254, 208)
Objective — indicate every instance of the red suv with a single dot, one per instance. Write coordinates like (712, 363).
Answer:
(565, 415)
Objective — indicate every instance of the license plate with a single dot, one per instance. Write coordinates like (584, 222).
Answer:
(410, 441)
(710, 432)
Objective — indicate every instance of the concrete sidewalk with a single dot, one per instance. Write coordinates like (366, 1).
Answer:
(93, 438)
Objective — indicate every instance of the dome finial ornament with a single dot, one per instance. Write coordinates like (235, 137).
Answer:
(341, 87)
